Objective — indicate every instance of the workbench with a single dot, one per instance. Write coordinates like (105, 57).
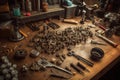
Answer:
(111, 56)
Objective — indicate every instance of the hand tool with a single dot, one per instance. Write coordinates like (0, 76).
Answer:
(97, 42)
(100, 26)
(53, 25)
(58, 76)
(71, 21)
(46, 64)
(82, 67)
(107, 40)
(76, 68)
(72, 53)
(23, 33)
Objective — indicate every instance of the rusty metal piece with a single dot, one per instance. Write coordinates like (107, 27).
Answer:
(24, 68)
(34, 53)
(59, 62)
(20, 54)
(68, 68)
(53, 41)
(60, 57)
(34, 67)
(53, 60)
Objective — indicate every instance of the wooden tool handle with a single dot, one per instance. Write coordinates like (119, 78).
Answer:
(107, 40)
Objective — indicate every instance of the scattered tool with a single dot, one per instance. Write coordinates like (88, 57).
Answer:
(58, 76)
(45, 63)
(23, 33)
(71, 21)
(82, 67)
(33, 27)
(96, 42)
(107, 40)
(72, 53)
(53, 25)
(100, 26)
(76, 68)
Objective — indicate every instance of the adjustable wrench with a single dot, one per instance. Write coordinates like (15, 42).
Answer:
(72, 53)
(45, 63)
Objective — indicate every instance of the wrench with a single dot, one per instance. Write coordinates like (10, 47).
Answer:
(72, 53)
(47, 64)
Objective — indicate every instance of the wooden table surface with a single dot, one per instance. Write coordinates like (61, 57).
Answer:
(111, 54)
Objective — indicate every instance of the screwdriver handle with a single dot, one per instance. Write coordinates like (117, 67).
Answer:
(81, 66)
(77, 69)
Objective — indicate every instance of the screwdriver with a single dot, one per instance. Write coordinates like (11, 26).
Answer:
(76, 68)
(58, 76)
(82, 67)
(96, 42)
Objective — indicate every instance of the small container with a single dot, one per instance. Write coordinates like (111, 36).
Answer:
(16, 11)
(97, 54)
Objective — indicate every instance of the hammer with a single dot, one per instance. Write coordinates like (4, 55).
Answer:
(107, 40)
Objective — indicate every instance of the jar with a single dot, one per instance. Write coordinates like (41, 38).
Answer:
(45, 6)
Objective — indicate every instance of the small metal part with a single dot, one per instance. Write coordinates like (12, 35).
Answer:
(67, 68)
(59, 62)
(63, 55)
(72, 53)
(46, 64)
(20, 54)
(24, 68)
(7, 69)
(53, 60)
(34, 67)
(96, 42)
(33, 27)
(76, 68)
(82, 67)
(53, 25)
(61, 58)
(8, 76)
(2, 77)
(51, 41)
(34, 53)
